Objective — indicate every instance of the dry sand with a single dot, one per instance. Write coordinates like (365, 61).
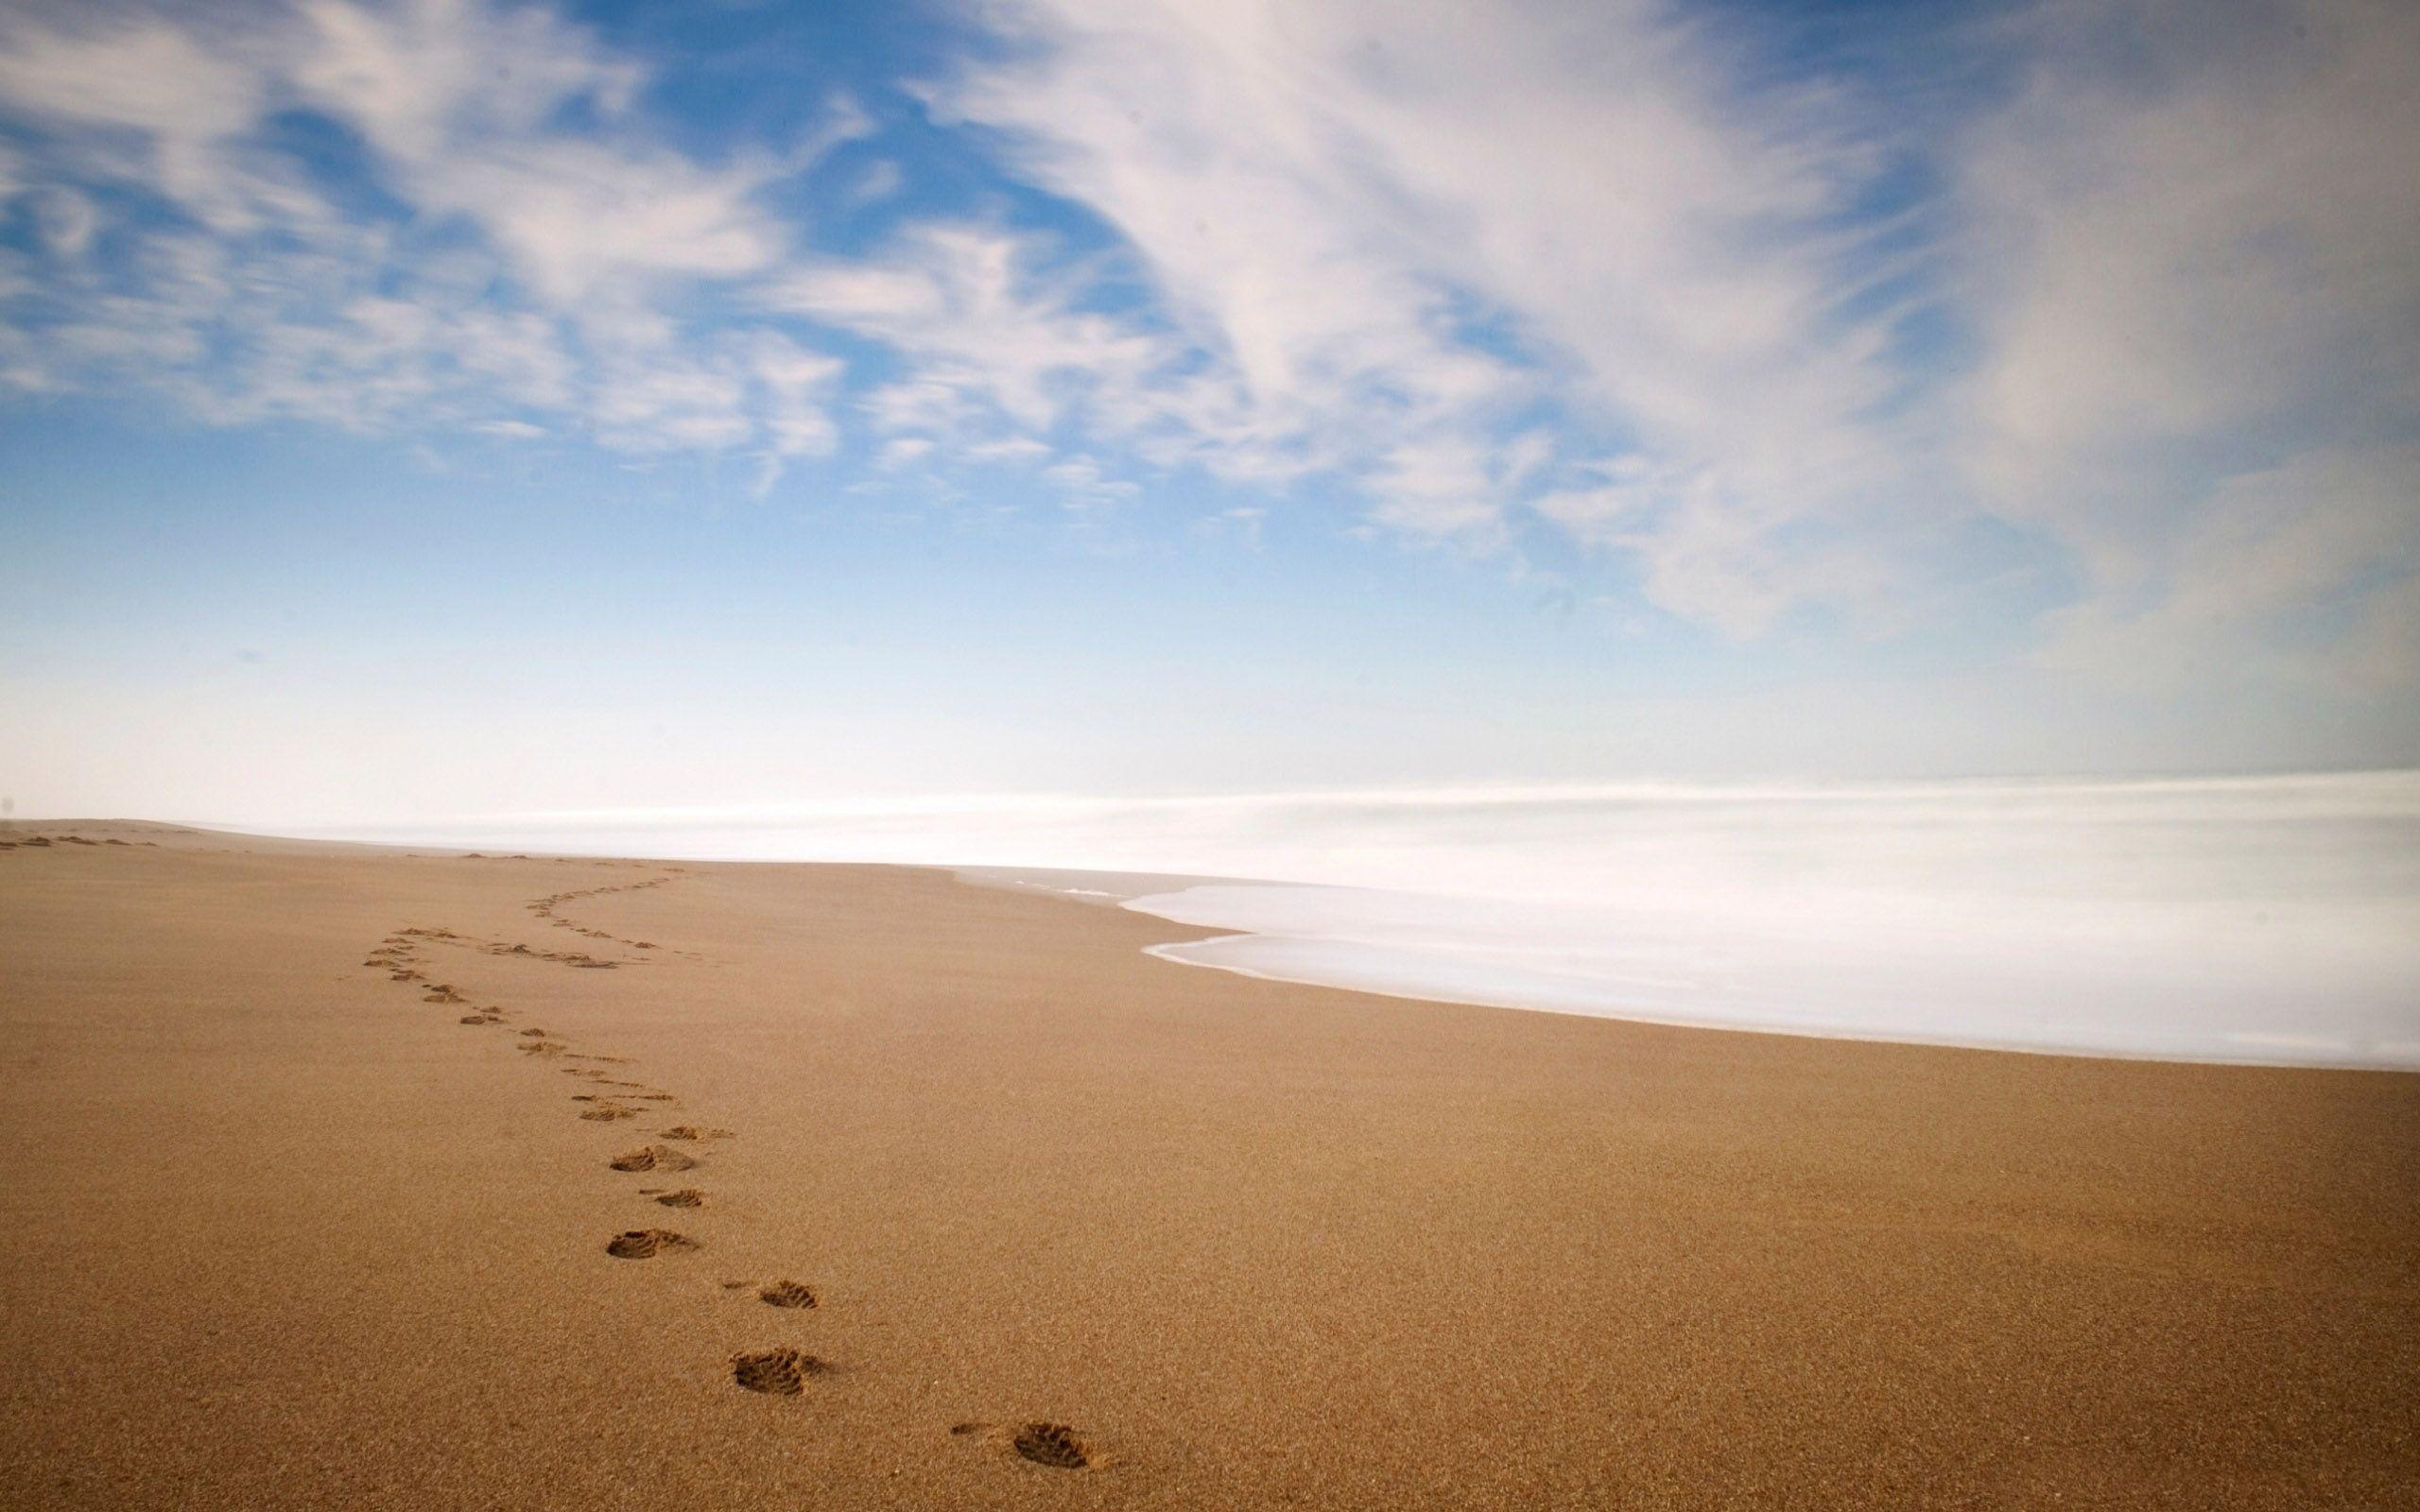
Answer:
(282, 1231)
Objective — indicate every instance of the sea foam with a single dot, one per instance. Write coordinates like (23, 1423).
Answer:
(2270, 920)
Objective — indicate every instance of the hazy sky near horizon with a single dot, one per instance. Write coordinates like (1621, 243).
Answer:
(453, 407)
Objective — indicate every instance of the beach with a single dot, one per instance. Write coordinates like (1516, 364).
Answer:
(338, 1177)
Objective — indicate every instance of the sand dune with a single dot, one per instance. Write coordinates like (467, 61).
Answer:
(351, 1178)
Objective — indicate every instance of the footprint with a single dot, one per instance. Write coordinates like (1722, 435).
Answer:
(608, 1115)
(1052, 1444)
(776, 1372)
(685, 1197)
(688, 1131)
(645, 1243)
(788, 1293)
(653, 1157)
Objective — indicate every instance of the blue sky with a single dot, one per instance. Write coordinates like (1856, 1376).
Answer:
(451, 407)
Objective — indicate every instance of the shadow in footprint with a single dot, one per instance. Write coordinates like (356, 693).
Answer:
(653, 1157)
(1052, 1444)
(776, 1372)
(645, 1243)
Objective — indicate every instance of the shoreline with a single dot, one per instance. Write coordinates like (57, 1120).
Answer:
(1127, 889)
(2254, 919)
(1345, 966)
(1169, 951)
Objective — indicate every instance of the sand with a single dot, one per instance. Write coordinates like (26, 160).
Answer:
(283, 1230)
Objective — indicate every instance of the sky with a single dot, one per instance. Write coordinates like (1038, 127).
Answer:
(446, 409)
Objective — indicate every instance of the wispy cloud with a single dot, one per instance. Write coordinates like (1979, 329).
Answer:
(1396, 232)
(519, 265)
(2200, 319)
(997, 343)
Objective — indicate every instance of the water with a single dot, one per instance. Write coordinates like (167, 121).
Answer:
(2260, 919)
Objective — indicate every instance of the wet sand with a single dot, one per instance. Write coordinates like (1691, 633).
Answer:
(284, 1229)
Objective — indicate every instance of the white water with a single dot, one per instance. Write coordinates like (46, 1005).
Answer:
(2265, 920)
(2273, 921)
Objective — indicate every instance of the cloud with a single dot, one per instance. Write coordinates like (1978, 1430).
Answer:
(2271, 565)
(902, 450)
(1242, 523)
(1082, 481)
(2217, 240)
(992, 336)
(2199, 317)
(162, 101)
(2177, 252)
(880, 181)
(1006, 365)
(1394, 229)
(66, 222)
(460, 102)
(545, 256)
